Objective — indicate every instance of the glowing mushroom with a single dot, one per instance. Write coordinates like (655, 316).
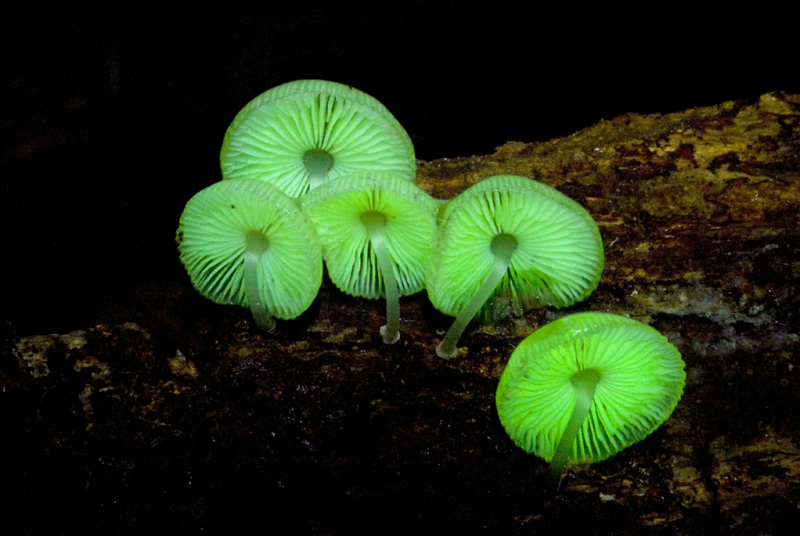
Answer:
(300, 134)
(376, 230)
(507, 244)
(245, 242)
(586, 386)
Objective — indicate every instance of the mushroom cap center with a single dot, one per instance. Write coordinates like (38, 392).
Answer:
(586, 379)
(503, 244)
(256, 243)
(318, 162)
(373, 219)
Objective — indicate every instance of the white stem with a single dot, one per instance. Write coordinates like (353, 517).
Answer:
(375, 223)
(585, 383)
(503, 247)
(256, 244)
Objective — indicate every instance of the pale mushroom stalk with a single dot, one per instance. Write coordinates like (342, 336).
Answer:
(585, 383)
(255, 245)
(318, 162)
(502, 246)
(375, 222)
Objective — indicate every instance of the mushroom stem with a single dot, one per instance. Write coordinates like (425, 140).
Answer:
(585, 383)
(374, 222)
(317, 162)
(256, 244)
(503, 246)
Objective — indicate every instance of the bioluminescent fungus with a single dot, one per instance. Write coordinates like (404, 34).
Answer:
(507, 244)
(376, 230)
(301, 134)
(587, 386)
(245, 242)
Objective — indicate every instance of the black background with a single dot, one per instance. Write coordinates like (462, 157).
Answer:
(113, 116)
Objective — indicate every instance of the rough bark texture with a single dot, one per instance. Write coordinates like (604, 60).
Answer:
(182, 416)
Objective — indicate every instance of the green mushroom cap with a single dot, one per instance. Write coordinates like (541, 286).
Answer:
(303, 133)
(587, 386)
(508, 244)
(245, 242)
(558, 257)
(376, 230)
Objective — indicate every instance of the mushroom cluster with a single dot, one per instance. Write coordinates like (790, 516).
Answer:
(247, 240)
(315, 170)
(335, 163)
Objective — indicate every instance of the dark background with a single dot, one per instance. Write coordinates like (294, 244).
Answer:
(113, 116)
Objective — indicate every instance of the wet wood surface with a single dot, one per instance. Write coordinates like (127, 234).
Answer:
(177, 414)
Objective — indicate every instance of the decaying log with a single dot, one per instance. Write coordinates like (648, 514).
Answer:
(187, 411)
